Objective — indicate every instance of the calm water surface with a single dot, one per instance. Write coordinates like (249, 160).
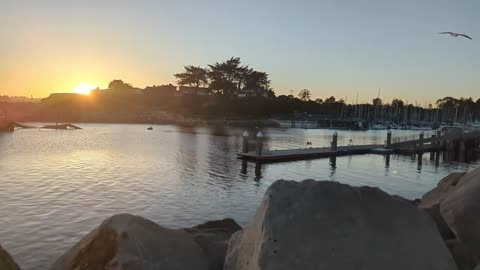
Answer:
(55, 186)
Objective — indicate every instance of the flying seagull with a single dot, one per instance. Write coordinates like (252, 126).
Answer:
(456, 35)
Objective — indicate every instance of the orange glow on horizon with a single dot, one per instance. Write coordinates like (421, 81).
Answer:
(84, 88)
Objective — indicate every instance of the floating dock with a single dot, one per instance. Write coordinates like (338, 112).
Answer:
(56, 126)
(311, 153)
(455, 143)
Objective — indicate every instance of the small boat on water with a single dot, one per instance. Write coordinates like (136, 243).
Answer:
(378, 127)
(150, 128)
(60, 126)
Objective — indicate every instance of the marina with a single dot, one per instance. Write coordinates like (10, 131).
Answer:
(453, 142)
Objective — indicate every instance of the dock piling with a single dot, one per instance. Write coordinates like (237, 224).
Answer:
(245, 142)
(389, 139)
(335, 141)
(461, 150)
(434, 144)
(260, 138)
(420, 142)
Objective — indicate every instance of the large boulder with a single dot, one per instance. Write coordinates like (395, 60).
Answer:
(431, 202)
(461, 211)
(328, 225)
(213, 237)
(462, 256)
(6, 261)
(439, 193)
(127, 242)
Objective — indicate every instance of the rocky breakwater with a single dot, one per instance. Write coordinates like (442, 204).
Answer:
(130, 242)
(455, 206)
(301, 225)
(328, 225)
(6, 261)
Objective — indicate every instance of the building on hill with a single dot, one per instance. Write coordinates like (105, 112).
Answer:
(160, 90)
(253, 93)
(128, 91)
(190, 90)
(18, 99)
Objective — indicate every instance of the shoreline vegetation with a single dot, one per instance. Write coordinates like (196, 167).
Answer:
(231, 93)
(298, 225)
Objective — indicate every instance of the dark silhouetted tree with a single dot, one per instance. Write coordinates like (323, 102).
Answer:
(258, 82)
(225, 77)
(304, 95)
(397, 103)
(377, 102)
(119, 85)
(192, 76)
(330, 100)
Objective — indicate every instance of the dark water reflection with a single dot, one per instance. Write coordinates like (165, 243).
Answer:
(55, 186)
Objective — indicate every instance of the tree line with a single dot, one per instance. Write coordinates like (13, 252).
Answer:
(230, 78)
(235, 90)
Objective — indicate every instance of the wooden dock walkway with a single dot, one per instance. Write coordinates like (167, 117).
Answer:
(311, 153)
(410, 146)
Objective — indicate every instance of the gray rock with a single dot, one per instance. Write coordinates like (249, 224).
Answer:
(431, 202)
(6, 261)
(463, 258)
(444, 187)
(216, 230)
(328, 225)
(442, 225)
(127, 242)
(461, 211)
(213, 237)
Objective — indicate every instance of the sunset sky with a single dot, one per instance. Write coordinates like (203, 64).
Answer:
(334, 47)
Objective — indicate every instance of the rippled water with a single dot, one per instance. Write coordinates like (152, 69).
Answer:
(55, 186)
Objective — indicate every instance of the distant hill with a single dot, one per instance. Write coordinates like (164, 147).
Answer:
(19, 99)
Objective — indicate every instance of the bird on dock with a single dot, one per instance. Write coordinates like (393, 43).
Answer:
(453, 34)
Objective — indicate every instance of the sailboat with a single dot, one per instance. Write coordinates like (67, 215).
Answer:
(475, 125)
(378, 127)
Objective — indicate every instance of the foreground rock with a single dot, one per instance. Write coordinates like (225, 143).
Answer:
(431, 202)
(328, 225)
(444, 188)
(6, 261)
(213, 237)
(461, 211)
(130, 242)
(462, 256)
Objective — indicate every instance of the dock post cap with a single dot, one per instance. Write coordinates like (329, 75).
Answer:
(260, 134)
(389, 131)
(422, 133)
(245, 134)
(335, 133)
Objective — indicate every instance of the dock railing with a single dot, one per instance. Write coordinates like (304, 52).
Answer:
(412, 137)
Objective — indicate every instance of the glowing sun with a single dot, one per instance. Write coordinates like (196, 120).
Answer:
(84, 88)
